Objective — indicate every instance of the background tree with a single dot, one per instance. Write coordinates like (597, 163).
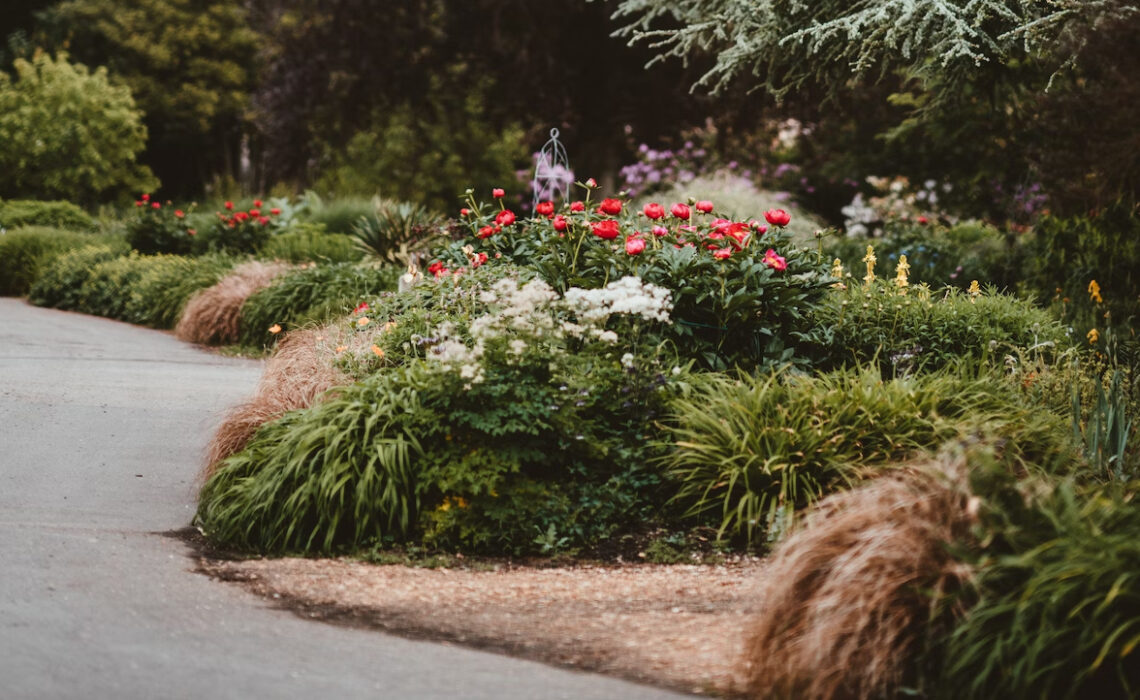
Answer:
(68, 133)
(190, 66)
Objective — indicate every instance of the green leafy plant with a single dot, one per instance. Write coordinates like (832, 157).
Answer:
(62, 284)
(15, 213)
(159, 229)
(1109, 428)
(303, 243)
(396, 230)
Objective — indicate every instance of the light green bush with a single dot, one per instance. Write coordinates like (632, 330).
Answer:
(63, 284)
(15, 213)
(26, 252)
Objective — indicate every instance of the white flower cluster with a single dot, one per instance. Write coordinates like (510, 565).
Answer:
(629, 295)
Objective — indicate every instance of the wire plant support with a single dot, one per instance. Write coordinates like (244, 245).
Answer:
(552, 173)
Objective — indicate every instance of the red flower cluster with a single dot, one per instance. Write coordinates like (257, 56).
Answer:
(241, 217)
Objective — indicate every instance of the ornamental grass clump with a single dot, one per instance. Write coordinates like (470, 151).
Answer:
(213, 315)
(848, 601)
(165, 284)
(747, 453)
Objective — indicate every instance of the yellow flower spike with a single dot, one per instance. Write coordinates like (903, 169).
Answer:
(1093, 335)
(870, 259)
(974, 291)
(275, 328)
(838, 273)
(362, 321)
(901, 271)
(377, 351)
(1094, 292)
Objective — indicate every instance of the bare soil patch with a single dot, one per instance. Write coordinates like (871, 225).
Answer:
(671, 625)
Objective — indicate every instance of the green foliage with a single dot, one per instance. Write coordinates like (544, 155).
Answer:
(926, 330)
(1055, 600)
(26, 252)
(337, 215)
(15, 213)
(311, 295)
(340, 473)
(1109, 428)
(748, 453)
(396, 230)
(242, 230)
(939, 256)
(304, 243)
(163, 285)
(62, 285)
(68, 133)
(189, 64)
(159, 229)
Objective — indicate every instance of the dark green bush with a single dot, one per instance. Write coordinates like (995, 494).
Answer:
(25, 252)
(63, 284)
(1055, 601)
(15, 213)
(155, 228)
(303, 243)
(312, 295)
(926, 330)
(747, 453)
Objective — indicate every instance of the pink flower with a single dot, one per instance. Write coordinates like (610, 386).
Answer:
(544, 209)
(704, 206)
(139, 202)
(505, 218)
(610, 206)
(497, 192)
(155, 205)
(560, 223)
(660, 231)
(263, 220)
(777, 217)
(191, 231)
(654, 210)
(591, 183)
(486, 232)
(681, 211)
(577, 206)
(607, 229)
(178, 214)
(774, 261)
(634, 246)
(722, 253)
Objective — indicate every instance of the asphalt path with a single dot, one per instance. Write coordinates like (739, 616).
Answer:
(102, 430)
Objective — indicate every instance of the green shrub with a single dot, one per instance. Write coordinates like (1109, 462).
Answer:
(309, 243)
(159, 229)
(396, 230)
(26, 252)
(926, 330)
(311, 295)
(747, 453)
(1054, 603)
(238, 229)
(68, 133)
(338, 215)
(165, 283)
(15, 213)
(63, 284)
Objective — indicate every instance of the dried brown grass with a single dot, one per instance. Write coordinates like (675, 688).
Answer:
(849, 598)
(298, 373)
(213, 315)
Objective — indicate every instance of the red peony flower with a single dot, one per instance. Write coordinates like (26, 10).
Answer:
(634, 246)
(257, 203)
(681, 211)
(607, 229)
(722, 253)
(577, 206)
(478, 259)
(505, 218)
(191, 231)
(774, 261)
(145, 198)
(263, 220)
(660, 231)
(591, 183)
(777, 217)
(139, 202)
(275, 211)
(155, 205)
(241, 216)
(178, 213)
(704, 206)
(654, 210)
(923, 220)
(436, 268)
(229, 206)
(560, 223)
(497, 192)
(610, 206)
(363, 307)
(544, 209)
(486, 232)
(464, 211)
(255, 212)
